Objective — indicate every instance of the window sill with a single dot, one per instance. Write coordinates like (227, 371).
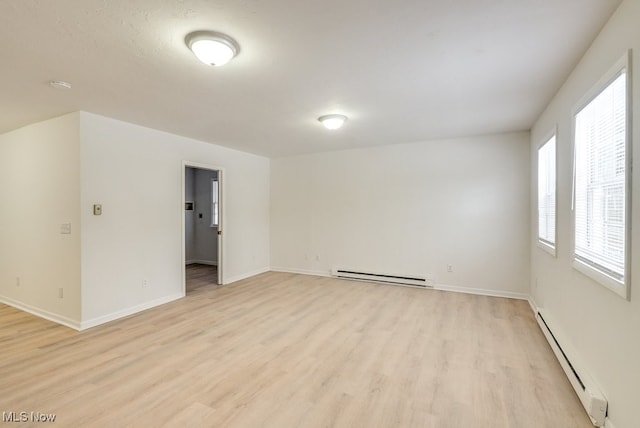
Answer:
(603, 279)
(547, 248)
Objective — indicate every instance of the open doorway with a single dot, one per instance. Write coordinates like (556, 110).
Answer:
(202, 226)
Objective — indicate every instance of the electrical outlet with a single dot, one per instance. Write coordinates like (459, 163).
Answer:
(60, 293)
(145, 283)
(449, 268)
(17, 281)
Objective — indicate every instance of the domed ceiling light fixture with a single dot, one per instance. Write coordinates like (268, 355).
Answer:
(211, 47)
(332, 121)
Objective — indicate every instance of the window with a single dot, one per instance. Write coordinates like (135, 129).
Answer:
(547, 195)
(600, 185)
(214, 203)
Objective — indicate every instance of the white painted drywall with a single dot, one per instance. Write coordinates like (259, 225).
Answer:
(39, 191)
(136, 174)
(599, 326)
(409, 209)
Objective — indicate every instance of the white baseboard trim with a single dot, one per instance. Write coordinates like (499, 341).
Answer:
(130, 311)
(534, 305)
(301, 271)
(201, 262)
(482, 291)
(240, 277)
(41, 313)
(442, 287)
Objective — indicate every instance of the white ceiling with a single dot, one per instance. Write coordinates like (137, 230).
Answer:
(403, 71)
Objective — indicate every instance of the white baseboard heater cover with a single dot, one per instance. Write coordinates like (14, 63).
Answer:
(590, 396)
(415, 281)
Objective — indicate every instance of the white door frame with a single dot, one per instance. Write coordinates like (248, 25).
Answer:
(221, 205)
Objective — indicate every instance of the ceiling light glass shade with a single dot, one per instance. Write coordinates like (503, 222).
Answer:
(212, 48)
(332, 121)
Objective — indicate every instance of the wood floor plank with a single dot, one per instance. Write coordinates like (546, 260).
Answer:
(286, 350)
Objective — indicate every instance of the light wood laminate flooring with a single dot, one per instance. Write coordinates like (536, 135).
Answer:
(199, 275)
(285, 350)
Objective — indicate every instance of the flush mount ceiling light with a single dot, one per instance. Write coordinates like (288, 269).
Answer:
(332, 121)
(211, 47)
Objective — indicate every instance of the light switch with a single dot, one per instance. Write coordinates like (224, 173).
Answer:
(65, 228)
(97, 209)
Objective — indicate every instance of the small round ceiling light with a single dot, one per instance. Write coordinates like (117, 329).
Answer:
(211, 47)
(332, 121)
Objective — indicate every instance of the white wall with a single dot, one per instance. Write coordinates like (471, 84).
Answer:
(602, 329)
(136, 174)
(409, 209)
(40, 190)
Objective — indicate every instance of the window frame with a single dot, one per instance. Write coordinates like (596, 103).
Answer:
(621, 288)
(215, 204)
(549, 247)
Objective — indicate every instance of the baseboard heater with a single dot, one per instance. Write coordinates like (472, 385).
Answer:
(415, 281)
(591, 398)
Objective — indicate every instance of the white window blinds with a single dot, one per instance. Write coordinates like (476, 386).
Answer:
(547, 192)
(600, 177)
